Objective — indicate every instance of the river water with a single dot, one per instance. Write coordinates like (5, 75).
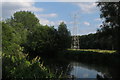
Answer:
(79, 70)
(82, 70)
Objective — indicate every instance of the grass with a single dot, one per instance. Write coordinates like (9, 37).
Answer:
(94, 50)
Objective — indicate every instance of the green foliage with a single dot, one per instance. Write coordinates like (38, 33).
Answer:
(111, 25)
(10, 39)
(18, 66)
(20, 32)
(28, 19)
(42, 40)
(47, 40)
(15, 63)
(64, 36)
(23, 22)
(96, 41)
(36, 38)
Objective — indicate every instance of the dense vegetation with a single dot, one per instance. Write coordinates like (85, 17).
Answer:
(96, 41)
(24, 39)
(18, 66)
(111, 25)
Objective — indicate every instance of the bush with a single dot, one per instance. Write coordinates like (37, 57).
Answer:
(18, 66)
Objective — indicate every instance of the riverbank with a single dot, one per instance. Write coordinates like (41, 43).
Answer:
(94, 50)
(99, 57)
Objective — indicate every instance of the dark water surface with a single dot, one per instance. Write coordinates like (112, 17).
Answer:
(78, 69)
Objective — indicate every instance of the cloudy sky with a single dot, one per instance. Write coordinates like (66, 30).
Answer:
(52, 13)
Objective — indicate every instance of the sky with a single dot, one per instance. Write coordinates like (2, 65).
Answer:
(52, 13)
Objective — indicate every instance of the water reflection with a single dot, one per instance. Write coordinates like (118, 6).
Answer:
(79, 70)
(82, 70)
(73, 69)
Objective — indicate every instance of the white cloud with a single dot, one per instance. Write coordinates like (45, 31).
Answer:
(86, 23)
(32, 8)
(59, 21)
(18, 0)
(87, 7)
(52, 0)
(60, 0)
(44, 21)
(8, 8)
(98, 19)
(48, 15)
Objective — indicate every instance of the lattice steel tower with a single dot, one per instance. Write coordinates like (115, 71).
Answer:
(75, 37)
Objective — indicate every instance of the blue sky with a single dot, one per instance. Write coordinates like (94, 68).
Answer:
(52, 13)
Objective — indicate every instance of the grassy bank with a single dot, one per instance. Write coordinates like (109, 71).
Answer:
(93, 50)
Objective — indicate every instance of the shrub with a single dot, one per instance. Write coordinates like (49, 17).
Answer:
(18, 66)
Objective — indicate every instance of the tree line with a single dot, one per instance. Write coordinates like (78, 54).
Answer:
(96, 41)
(24, 31)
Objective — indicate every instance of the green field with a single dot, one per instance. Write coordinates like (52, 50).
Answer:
(94, 50)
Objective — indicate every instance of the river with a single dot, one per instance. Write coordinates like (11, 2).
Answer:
(79, 70)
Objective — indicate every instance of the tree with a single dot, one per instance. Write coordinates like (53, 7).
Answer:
(20, 31)
(111, 13)
(64, 36)
(10, 39)
(28, 19)
(43, 40)
(24, 23)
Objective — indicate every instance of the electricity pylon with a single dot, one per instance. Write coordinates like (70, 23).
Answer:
(75, 38)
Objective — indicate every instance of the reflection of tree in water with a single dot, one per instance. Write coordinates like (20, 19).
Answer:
(59, 67)
(63, 69)
(69, 68)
